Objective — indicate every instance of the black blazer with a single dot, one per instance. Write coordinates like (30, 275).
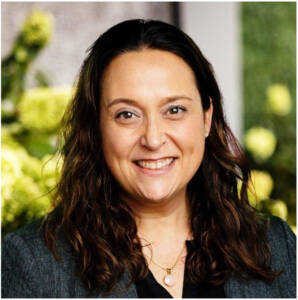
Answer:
(30, 271)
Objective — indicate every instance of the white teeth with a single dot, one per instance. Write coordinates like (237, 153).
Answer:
(159, 164)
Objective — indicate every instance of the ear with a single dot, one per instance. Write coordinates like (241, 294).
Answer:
(208, 117)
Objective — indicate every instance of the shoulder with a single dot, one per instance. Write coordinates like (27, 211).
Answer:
(29, 235)
(281, 237)
(29, 240)
(279, 228)
(30, 270)
(282, 242)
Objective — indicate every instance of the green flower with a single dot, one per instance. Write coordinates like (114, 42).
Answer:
(11, 170)
(39, 207)
(27, 200)
(42, 108)
(279, 208)
(260, 186)
(31, 166)
(22, 198)
(23, 192)
(279, 99)
(37, 29)
(14, 128)
(15, 156)
(8, 140)
(261, 142)
(51, 168)
(21, 54)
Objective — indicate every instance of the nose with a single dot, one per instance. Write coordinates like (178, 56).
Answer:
(153, 136)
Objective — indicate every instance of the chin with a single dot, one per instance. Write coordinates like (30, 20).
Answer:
(157, 197)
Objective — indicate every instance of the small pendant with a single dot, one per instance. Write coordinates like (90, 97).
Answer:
(169, 278)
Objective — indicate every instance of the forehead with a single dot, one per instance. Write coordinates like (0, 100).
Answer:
(146, 73)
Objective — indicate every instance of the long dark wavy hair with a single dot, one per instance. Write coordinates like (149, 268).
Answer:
(229, 236)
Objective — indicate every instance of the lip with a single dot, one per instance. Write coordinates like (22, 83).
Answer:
(154, 158)
(153, 172)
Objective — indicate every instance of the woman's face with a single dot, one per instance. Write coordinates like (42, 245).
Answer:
(152, 124)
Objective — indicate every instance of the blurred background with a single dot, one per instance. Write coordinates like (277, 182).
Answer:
(251, 45)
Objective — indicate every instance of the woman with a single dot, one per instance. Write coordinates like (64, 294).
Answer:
(147, 204)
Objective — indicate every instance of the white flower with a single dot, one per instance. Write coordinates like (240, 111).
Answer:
(7, 106)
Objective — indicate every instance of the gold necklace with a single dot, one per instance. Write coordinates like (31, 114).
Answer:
(168, 279)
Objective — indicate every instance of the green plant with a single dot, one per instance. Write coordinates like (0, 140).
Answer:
(30, 121)
(25, 189)
(269, 87)
(34, 35)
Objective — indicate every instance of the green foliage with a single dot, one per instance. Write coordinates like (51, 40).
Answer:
(269, 66)
(31, 118)
(37, 29)
(30, 121)
(34, 35)
(29, 168)
(24, 188)
(41, 109)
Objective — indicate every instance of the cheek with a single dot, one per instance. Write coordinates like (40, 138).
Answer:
(190, 137)
(117, 144)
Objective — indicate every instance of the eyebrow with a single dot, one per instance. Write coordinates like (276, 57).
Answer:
(134, 102)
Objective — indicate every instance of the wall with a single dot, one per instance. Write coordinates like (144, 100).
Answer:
(215, 27)
(77, 25)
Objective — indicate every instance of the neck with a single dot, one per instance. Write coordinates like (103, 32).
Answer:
(169, 218)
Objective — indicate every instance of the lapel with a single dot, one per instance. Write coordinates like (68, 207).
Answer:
(254, 288)
(121, 290)
(131, 292)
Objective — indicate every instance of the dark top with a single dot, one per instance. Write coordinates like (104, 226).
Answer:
(29, 270)
(150, 288)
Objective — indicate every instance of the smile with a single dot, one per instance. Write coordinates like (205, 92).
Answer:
(155, 164)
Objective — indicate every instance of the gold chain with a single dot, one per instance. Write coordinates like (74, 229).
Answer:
(168, 270)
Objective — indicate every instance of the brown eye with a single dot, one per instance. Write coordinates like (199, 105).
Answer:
(176, 110)
(125, 115)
